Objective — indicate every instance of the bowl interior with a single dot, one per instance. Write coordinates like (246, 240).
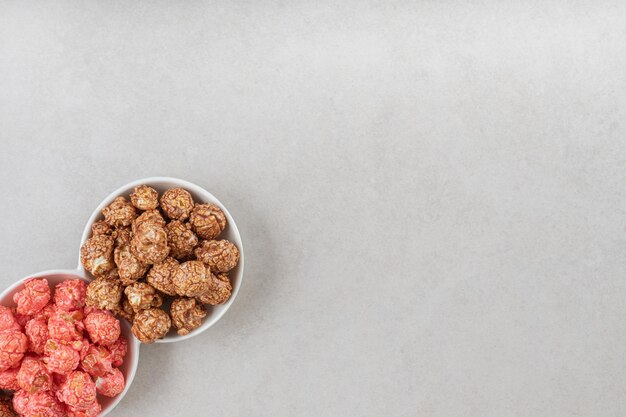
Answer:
(231, 233)
(128, 368)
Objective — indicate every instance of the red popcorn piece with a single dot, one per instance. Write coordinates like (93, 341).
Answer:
(70, 295)
(78, 391)
(82, 347)
(111, 384)
(33, 297)
(8, 380)
(38, 404)
(60, 358)
(102, 327)
(37, 332)
(97, 362)
(33, 375)
(118, 351)
(66, 326)
(8, 320)
(13, 344)
(92, 411)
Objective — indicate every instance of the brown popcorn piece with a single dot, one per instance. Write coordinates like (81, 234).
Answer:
(187, 314)
(96, 255)
(129, 267)
(142, 296)
(150, 325)
(162, 274)
(104, 293)
(150, 216)
(219, 255)
(177, 203)
(101, 228)
(122, 236)
(217, 291)
(181, 239)
(145, 197)
(125, 310)
(191, 278)
(149, 243)
(207, 220)
(119, 213)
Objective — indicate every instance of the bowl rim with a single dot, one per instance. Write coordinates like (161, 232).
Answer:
(196, 189)
(76, 274)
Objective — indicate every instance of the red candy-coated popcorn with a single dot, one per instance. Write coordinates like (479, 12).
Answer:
(7, 319)
(38, 404)
(66, 326)
(13, 344)
(8, 379)
(46, 312)
(102, 327)
(82, 348)
(37, 332)
(33, 297)
(60, 358)
(118, 350)
(70, 294)
(92, 411)
(111, 384)
(97, 362)
(78, 391)
(33, 375)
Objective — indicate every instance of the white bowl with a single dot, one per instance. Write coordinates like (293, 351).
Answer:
(128, 368)
(231, 233)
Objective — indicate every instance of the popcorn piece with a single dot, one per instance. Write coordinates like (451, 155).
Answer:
(22, 319)
(104, 294)
(145, 197)
(66, 326)
(101, 228)
(129, 267)
(217, 291)
(96, 255)
(46, 312)
(177, 203)
(92, 411)
(219, 255)
(33, 297)
(149, 243)
(125, 310)
(150, 325)
(8, 380)
(97, 361)
(119, 213)
(33, 375)
(13, 344)
(187, 314)
(78, 391)
(162, 274)
(118, 350)
(122, 236)
(7, 319)
(181, 239)
(150, 216)
(111, 384)
(70, 294)
(191, 278)
(102, 327)
(38, 404)
(142, 296)
(207, 220)
(60, 357)
(37, 332)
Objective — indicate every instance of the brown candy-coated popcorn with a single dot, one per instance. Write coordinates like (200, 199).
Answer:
(101, 228)
(104, 293)
(177, 203)
(161, 275)
(149, 243)
(187, 314)
(207, 220)
(217, 291)
(119, 213)
(129, 267)
(122, 236)
(150, 216)
(181, 239)
(219, 255)
(150, 325)
(145, 197)
(125, 310)
(142, 296)
(96, 255)
(191, 278)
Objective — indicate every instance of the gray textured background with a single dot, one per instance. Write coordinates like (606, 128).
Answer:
(432, 194)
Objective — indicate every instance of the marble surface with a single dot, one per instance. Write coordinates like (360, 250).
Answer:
(431, 194)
